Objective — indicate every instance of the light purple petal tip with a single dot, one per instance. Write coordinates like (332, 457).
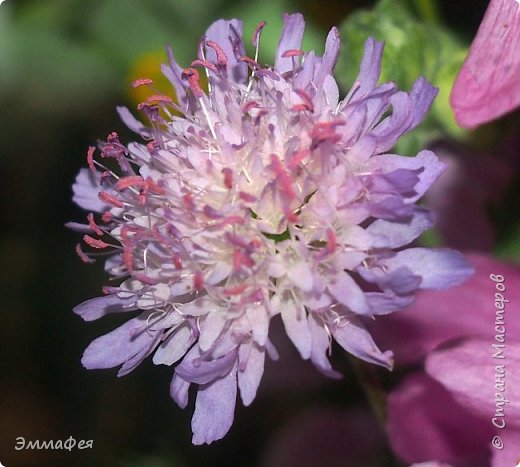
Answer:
(370, 67)
(95, 308)
(131, 122)
(214, 409)
(355, 339)
(395, 234)
(131, 343)
(228, 35)
(196, 370)
(291, 38)
(85, 191)
(438, 268)
(179, 391)
(249, 377)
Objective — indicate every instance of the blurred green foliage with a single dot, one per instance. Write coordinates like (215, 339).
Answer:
(414, 46)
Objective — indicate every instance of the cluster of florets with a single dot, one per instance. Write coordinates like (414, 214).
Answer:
(262, 195)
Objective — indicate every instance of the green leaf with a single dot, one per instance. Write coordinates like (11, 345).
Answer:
(413, 47)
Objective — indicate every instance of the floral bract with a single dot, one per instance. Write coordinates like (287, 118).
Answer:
(263, 195)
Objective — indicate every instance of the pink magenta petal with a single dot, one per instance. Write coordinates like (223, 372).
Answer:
(510, 452)
(425, 423)
(438, 316)
(482, 378)
(488, 85)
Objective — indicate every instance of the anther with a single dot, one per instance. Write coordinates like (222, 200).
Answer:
(94, 243)
(205, 64)
(246, 197)
(193, 78)
(331, 241)
(83, 256)
(221, 55)
(142, 82)
(258, 31)
(198, 281)
(254, 64)
(296, 158)
(109, 199)
(228, 177)
(90, 158)
(92, 224)
(292, 53)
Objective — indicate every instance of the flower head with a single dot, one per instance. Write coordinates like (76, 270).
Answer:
(263, 195)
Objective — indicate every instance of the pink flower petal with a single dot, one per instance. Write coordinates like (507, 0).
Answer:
(488, 85)
(469, 371)
(425, 423)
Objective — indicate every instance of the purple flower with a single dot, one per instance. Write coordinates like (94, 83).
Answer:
(264, 195)
(453, 411)
(488, 85)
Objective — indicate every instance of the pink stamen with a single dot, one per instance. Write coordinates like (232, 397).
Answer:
(177, 261)
(210, 66)
(255, 243)
(248, 198)
(145, 279)
(153, 187)
(83, 256)
(109, 199)
(193, 77)
(283, 178)
(141, 82)
(300, 108)
(95, 243)
(152, 146)
(331, 241)
(236, 290)
(330, 124)
(297, 157)
(250, 105)
(258, 31)
(198, 281)
(229, 220)
(249, 61)
(128, 257)
(158, 98)
(188, 202)
(240, 259)
(307, 101)
(292, 53)
(221, 56)
(131, 181)
(323, 131)
(256, 296)
(90, 158)
(236, 240)
(228, 178)
(92, 224)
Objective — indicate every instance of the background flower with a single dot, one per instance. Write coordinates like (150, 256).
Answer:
(488, 85)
